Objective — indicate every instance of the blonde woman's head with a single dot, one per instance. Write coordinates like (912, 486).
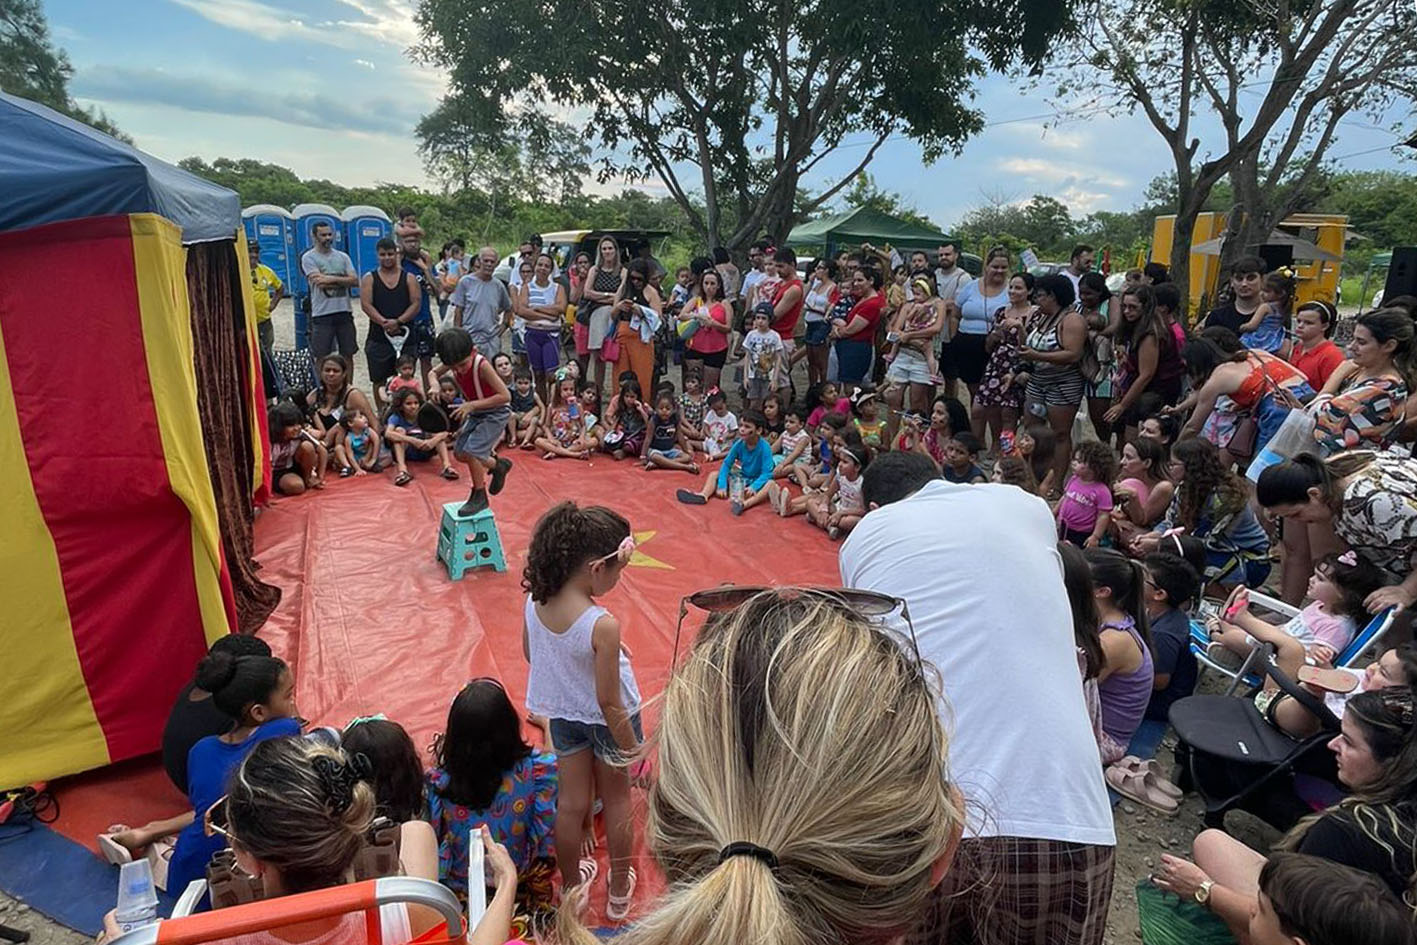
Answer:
(804, 729)
(300, 809)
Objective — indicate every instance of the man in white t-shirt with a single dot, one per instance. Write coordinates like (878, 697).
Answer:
(950, 277)
(1079, 264)
(978, 567)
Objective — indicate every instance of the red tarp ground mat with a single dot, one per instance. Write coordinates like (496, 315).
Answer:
(370, 621)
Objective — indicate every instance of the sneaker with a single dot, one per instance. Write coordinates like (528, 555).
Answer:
(499, 475)
(346, 471)
(476, 502)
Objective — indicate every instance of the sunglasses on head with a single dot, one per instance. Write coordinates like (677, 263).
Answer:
(216, 819)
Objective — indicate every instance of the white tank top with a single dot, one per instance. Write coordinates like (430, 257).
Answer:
(536, 297)
(817, 304)
(848, 496)
(561, 683)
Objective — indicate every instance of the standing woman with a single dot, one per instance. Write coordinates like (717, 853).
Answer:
(974, 306)
(1368, 500)
(638, 309)
(707, 348)
(999, 402)
(542, 304)
(578, 278)
(910, 370)
(822, 295)
(599, 295)
(1096, 306)
(855, 335)
(1150, 362)
(1052, 349)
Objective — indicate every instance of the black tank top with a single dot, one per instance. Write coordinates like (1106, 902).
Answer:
(391, 303)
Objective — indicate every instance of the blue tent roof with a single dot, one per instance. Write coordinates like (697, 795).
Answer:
(53, 168)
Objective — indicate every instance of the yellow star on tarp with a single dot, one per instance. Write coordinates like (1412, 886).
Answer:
(642, 560)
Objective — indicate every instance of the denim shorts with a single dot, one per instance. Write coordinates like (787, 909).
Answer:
(817, 333)
(571, 737)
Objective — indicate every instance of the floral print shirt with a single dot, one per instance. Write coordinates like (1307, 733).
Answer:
(522, 817)
(1379, 513)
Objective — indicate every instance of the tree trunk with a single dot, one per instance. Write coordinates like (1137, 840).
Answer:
(1187, 210)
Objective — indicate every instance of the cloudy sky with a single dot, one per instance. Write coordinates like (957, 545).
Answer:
(326, 87)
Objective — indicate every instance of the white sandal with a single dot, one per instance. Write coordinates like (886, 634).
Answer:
(618, 907)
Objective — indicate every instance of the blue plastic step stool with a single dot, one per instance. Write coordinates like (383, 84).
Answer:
(467, 542)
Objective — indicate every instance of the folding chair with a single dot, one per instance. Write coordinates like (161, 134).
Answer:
(1234, 758)
(268, 914)
(1369, 636)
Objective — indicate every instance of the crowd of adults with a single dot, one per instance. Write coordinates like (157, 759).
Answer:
(1244, 434)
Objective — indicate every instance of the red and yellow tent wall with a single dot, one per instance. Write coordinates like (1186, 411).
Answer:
(112, 578)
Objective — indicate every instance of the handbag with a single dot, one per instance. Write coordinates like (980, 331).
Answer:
(1167, 919)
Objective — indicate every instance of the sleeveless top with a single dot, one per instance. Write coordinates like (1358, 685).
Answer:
(561, 681)
(818, 303)
(537, 297)
(605, 281)
(786, 323)
(1125, 695)
(1266, 373)
(1044, 337)
(390, 303)
(328, 418)
(470, 383)
(848, 495)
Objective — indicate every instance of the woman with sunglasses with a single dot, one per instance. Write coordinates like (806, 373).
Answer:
(580, 679)
(485, 773)
(1374, 829)
(638, 309)
(258, 693)
(760, 816)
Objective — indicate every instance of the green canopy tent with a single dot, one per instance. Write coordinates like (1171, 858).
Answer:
(864, 225)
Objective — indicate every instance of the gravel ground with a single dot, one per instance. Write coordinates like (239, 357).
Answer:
(1142, 836)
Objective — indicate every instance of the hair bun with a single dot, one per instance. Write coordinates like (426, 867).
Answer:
(216, 670)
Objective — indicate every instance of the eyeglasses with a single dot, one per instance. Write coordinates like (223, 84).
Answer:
(727, 597)
(210, 827)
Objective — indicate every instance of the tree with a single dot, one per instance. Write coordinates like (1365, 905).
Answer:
(31, 67)
(1307, 64)
(750, 95)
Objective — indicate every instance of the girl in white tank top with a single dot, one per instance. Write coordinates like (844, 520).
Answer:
(572, 643)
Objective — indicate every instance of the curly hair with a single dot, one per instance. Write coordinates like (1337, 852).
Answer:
(566, 537)
(1205, 476)
(1098, 457)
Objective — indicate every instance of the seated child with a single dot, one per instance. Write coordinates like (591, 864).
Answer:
(397, 781)
(960, 453)
(1172, 585)
(590, 417)
(450, 396)
(1085, 511)
(772, 413)
(527, 410)
(1396, 667)
(1338, 589)
(563, 429)
(665, 446)
(837, 509)
(357, 452)
(631, 419)
(830, 433)
(405, 377)
(720, 427)
(408, 441)
(1127, 676)
(1013, 470)
(1035, 445)
(867, 421)
(298, 458)
(793, 449)
(751, 458)
(823, 399)
(692, 407)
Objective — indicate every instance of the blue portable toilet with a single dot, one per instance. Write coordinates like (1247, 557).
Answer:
(364, 226)
(273, 229)
(306, 216)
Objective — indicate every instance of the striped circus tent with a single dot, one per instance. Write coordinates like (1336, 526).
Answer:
(131, 440)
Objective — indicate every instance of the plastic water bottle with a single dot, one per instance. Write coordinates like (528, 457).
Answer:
(137, 896)
(735, 486)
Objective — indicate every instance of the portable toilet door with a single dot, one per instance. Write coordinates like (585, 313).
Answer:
(364, 226)
(306, 216)
(273, 229)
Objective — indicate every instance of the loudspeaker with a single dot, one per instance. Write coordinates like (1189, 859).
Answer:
(1401, 273)
(1276, 255)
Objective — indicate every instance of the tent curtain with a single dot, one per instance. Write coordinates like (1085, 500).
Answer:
(223, 403)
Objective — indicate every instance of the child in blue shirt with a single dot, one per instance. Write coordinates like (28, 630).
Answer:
(1171, 586)
(753, 457)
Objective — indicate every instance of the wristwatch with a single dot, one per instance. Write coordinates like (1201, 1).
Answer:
(1203, 893)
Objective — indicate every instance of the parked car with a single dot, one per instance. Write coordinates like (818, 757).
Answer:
(563, 246)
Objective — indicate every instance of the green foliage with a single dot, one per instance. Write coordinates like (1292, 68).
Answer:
(33, 68)
(750, 92)
(1381, 206)
(864, 193)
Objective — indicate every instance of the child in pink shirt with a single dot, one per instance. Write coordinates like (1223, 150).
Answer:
(1085, 511)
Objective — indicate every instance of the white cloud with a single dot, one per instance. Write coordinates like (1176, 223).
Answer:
(1052, 171)
(365, 63)
(1049, 135)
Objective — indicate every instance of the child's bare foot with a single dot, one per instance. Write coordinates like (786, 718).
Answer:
(360, 471)
(548, 455)
(694, 468)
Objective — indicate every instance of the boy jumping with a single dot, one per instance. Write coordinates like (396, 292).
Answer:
(483, 414)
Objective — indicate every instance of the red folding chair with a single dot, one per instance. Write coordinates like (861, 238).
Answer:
(269, 914)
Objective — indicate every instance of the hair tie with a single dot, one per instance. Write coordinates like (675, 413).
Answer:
(744, 848)
(339, 778)
(1348, 558)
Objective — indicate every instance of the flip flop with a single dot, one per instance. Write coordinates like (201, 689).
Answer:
(690, 498)
(1133, 784)
(402, 479)
(449, 473)
(618, 907)
(1330, 680)
(1152, 769)
(113, 851)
